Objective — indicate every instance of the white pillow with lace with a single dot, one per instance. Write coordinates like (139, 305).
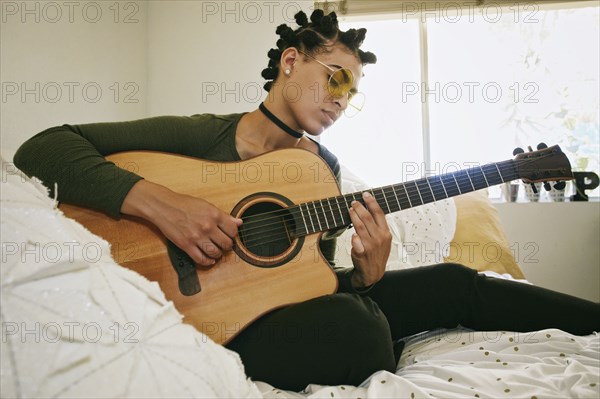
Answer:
(420, 236)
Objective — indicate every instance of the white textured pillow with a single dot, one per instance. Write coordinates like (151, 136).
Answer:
(76, 324)
(420, 236)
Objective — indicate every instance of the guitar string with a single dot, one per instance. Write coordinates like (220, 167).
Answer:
(319, 214)
(262, 239)
(275, 234)
(465, 178)
(415, 189)
(252, 239)
(414, 194)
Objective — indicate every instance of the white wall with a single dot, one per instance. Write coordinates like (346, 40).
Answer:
(70, 63)
(208, 56)
(165, 57)
(557, 244)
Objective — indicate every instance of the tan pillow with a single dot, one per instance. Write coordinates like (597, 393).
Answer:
(480, 241)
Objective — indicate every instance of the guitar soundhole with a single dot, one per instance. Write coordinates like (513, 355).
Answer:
(268, 230)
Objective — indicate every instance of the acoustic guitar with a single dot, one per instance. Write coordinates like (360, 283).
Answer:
(287, 200)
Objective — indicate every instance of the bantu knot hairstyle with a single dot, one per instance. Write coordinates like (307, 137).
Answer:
(312, 35)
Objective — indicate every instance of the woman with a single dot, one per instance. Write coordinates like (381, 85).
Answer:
(336, 339)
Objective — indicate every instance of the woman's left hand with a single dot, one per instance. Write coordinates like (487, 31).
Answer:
(371, 243)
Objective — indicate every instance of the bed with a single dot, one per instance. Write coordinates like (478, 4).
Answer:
(76, 324)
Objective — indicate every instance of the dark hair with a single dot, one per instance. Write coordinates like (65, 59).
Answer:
(311, 36)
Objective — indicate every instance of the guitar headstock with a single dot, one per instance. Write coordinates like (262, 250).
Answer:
(545, 164)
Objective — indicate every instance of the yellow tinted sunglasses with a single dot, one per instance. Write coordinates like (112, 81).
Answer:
(340, 85)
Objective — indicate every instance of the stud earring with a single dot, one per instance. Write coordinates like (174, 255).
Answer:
(287, 71)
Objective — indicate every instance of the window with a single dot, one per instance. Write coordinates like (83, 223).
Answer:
(493, 82)
(387, 131)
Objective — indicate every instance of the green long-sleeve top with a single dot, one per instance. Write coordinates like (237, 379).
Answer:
(72, 156)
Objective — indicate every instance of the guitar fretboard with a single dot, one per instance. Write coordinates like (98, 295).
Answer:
(332, 213)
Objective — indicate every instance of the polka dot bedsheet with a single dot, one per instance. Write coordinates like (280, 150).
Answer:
(461, 363)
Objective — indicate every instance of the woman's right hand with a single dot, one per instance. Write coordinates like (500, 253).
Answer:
(196, 226)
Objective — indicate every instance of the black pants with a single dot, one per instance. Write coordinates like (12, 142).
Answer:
(345, 337)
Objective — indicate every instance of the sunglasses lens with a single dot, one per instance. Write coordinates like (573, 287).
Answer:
(356, 103)
(340, 82)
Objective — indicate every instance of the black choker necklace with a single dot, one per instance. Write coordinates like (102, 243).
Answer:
(279, 123)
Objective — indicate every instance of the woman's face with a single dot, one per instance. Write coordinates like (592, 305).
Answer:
(311, 104)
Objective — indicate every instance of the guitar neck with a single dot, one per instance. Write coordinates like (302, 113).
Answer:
(332, 213)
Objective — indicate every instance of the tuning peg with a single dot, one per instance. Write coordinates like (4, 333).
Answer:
(560, 185)
(541, 146)
(547, 186)
(534, 188)
(518, 150)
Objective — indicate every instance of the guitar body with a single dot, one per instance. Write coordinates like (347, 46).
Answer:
(286, 199)
(252, 279)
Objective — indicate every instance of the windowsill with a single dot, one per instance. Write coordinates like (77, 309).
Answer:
(520, 201)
